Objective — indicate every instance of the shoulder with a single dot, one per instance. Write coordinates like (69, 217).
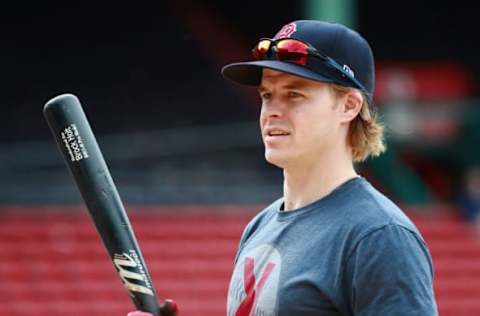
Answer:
(261, 219)
(369, 218)
(381, 224)
(371, 210)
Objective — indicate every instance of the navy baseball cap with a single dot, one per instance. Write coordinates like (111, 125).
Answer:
(348, 50)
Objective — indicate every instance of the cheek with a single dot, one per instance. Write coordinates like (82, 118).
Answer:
(262, 119)
(316, 124)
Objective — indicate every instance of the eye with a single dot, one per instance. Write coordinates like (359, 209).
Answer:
(265, 95)
(294, 94)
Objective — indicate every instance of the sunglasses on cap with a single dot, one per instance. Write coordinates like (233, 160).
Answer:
(298, 52)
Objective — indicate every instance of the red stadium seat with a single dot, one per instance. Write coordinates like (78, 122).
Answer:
(53, 262)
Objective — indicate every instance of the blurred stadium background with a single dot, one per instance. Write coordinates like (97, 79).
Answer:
(183, 145)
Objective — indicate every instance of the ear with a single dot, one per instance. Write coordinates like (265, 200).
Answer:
(351, 105)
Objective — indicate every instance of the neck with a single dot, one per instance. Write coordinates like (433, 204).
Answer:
(311, 181)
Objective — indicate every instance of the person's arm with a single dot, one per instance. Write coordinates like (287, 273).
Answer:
(390, 273)
(168, 308)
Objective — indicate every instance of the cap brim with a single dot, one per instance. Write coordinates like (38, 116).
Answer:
(250, 72)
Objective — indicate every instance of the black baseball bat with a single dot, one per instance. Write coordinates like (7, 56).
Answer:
(77, 143)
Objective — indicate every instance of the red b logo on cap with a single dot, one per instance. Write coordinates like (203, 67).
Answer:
(287, 30)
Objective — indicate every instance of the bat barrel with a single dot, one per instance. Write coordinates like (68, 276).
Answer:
(77, 143)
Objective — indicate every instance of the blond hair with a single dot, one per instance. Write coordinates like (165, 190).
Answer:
(365, 133)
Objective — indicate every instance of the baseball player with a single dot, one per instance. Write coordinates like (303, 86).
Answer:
(333, 244)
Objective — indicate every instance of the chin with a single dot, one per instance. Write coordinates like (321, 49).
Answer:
(276, 158)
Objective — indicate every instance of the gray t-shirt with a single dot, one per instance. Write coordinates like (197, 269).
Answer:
(352, 252)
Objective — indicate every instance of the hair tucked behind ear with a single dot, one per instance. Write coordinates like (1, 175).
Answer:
(366, 132)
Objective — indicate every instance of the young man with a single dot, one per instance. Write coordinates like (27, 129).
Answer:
(333, 245)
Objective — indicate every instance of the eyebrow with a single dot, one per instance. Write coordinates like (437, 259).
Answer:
(295, 85)
(261, 89)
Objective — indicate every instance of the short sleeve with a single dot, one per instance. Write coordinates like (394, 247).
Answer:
(390, 273)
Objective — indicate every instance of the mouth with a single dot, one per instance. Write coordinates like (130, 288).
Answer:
(277, 133)
(274, 133)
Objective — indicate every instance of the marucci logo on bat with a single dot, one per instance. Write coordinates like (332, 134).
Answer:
(73, 143)
(123, 262)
